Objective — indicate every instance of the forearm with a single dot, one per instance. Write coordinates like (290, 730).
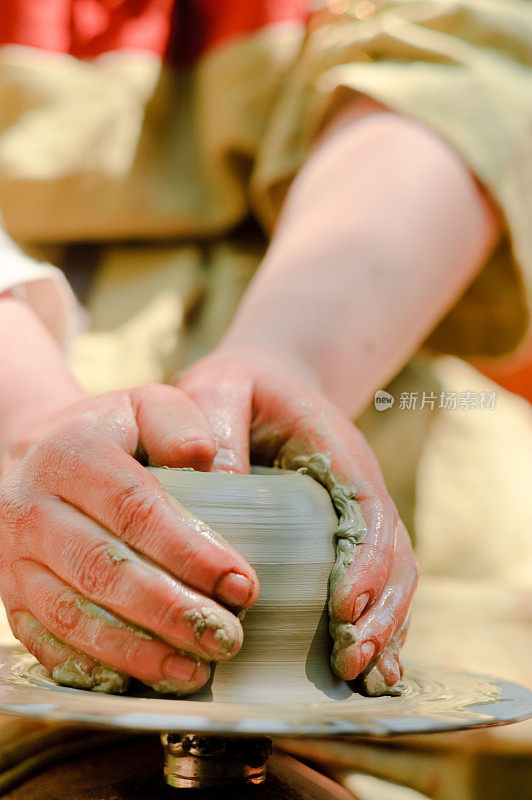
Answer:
(36, 381)
(381, 232)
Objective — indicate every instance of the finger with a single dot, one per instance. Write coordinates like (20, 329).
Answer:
(85, 626)
(357, 645)
(172, 431)
(389, 665)
(110, 487)
(340, 458)
(384, 675)
(362, 568)
(225, 399)
(66, 665)
(105, 570)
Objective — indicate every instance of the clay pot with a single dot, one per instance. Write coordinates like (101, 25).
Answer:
(283, 523)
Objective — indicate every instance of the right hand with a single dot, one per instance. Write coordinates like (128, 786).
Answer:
(98, 564)
(255, 398)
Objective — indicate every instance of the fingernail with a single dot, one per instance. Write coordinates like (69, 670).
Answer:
(234, 589)
(367, 651)
(180, 668)
(360, 605)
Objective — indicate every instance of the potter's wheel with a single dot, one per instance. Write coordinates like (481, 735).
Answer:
(435, 699)
(281, 682)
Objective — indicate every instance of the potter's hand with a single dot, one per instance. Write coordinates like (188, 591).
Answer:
(85, 528)
(254, 400)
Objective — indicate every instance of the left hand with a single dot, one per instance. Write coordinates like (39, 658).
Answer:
(262, 408)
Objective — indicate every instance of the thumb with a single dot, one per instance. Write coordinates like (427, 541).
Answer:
(224, 394)
(172, 431)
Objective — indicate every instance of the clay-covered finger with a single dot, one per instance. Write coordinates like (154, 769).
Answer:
(85, 626)
(111, 487)
(383, 676)
(67, 666)
(364, 560)
(357, 645)
(389, 667)
(105, 570)
(374, 575)
(335, 453)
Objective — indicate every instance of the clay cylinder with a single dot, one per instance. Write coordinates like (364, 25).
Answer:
(284, 524)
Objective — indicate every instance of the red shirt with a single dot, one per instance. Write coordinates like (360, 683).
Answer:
(177, 30)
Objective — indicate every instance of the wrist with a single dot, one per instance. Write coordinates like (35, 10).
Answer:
(30, 422)
(36, 385)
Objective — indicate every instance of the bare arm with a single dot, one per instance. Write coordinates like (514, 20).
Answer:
(36, 381)
(381, 232)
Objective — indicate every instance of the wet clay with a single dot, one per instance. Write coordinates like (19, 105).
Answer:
(93, 674)
(43, 635)
(209, 619)
(116, 556)
(351, 528)
(372, 684)
(350, 533)
(100, 678)
(91, 610)
(167, 686)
